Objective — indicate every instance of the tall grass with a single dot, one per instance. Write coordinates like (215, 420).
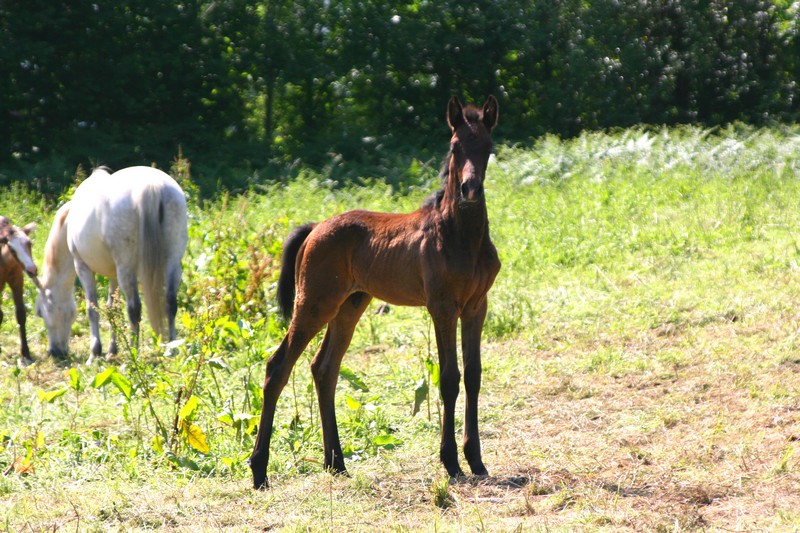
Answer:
(605, 240)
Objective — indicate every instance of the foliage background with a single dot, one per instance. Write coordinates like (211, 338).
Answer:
(251, 91)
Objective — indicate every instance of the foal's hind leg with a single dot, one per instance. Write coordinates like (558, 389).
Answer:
(19, 308)
(302, 329)
(325, 368)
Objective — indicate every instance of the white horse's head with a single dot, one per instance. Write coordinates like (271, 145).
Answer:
(55, 303)
(58, 314)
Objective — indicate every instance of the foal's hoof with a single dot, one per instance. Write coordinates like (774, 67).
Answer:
(480, 472)
(337, 472)
(24, 362)
(260, 482)
(457, 476)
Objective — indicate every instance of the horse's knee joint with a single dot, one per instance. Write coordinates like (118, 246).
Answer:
(449, 380)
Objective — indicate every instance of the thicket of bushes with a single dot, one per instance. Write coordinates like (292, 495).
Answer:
(247, 89)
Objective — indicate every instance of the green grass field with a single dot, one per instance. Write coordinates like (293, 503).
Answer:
(641, 362)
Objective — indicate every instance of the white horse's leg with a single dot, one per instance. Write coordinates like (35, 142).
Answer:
(112, 288)
(89, 284)
(130, 288)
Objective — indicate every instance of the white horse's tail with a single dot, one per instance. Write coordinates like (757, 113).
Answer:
(154, 252)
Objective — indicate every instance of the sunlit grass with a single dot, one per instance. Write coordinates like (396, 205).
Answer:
(640, 360)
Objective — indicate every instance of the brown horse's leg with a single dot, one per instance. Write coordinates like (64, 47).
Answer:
(19, 307)
(279, 367)
(471, 327)
(325, 369)
(444, 321)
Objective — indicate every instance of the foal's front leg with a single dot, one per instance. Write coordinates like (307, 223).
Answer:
(89, 285)
(19, 307)
(445, 320)
(471, 327)
(325, 369)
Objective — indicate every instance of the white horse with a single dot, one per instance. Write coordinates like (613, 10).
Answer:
(129, 226)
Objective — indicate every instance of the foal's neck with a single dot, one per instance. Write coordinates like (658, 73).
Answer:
(470, 223)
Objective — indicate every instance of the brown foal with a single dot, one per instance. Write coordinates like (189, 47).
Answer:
(16, 259)
(440, 256)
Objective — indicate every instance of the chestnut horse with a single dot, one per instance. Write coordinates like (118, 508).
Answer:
(440, 256)
(16, 258)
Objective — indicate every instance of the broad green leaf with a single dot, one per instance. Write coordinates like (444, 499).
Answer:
(386, 441)
(157, 444)
(75, 379)
(433, 370)
(352, 403)
(103, 377)
(195, 437)
(52, 395)
(420, 395)
(188, 408)
(354, 380)
(123, 384)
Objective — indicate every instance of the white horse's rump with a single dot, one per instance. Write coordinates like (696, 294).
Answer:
(129, 226)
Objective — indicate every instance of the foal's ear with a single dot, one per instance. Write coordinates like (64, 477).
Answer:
(490, 113)
(455, 113)
(28, 229)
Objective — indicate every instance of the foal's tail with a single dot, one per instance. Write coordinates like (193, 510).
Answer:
(286, 282)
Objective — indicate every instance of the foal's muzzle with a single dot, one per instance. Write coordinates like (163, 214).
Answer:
(471, 191)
